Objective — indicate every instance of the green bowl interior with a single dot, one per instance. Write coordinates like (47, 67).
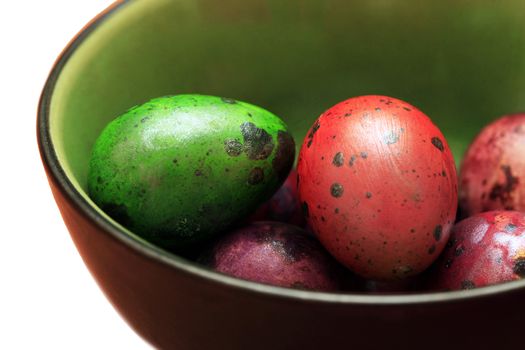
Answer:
(462, 63)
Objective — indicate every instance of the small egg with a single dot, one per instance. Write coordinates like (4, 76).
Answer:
(377, 183)
(178, 170)
(486, 248)
(492, 172)
(275, 253)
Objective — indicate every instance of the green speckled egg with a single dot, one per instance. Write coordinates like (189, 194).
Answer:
(177, 170)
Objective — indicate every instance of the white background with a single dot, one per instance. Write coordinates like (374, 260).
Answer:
(48, 299)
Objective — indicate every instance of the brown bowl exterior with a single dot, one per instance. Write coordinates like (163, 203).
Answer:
(173, 309)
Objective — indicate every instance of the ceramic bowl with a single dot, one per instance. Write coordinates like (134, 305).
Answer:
(459, 61)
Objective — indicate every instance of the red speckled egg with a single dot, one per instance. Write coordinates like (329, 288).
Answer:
(493, 171)
(484, 249)
(377, 182)
(278, 254)
(284, 206)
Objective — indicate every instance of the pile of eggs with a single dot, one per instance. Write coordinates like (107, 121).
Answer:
(372, 205)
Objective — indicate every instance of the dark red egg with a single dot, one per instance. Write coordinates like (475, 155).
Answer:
(492, 174)
(278, 254)
(284, 206)
(484, 249)
(377, 182)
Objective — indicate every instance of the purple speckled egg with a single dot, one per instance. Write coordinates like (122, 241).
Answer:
(275, 253)
(492, 175)
(484, 249)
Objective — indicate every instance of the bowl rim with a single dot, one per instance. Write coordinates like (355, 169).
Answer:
(59, 177)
